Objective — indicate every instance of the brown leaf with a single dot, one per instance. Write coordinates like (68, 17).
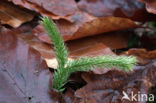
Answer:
(83, 46)
(150, 5)
(86, 48)
(143, 53)
(143, 56)
(71, 31)
(56, 9)
(52, 63)
(74, 23)
(89, 46)
(120, 8)
(108, 88)
(14, 15)
(113, 40)
(90, 50)
(24, 75)
(62, 9)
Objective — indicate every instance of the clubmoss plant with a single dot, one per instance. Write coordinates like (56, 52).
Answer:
(65, 67)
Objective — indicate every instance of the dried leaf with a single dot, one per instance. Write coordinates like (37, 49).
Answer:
(14, 15)
(143, 53)
(89, 46)
(56, 9)
(24, 75)
(52, 63)
(133, 10)
(143, 56)
(150, 5)
(108, 88)
(113, 40)
(109, 7)
(71, 31)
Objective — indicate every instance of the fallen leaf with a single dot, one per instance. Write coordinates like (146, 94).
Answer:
(108, 7)
(71, 31)
(14, 15)
(91, 50)
(90, 46)
(108, 88)
(76, 50)
(150, 5)
(24, 75)
(143, 53)
(133, 10)
(52, 63)
(143, 56)
(61, 9)
(113, 40)
(56, 9)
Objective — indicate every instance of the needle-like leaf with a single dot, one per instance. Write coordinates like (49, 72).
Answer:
(60, 49)
(65, 67)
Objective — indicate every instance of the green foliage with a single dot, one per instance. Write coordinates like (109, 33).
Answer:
(121, 62)
(152, 23)
(60, 49)
(65, 67)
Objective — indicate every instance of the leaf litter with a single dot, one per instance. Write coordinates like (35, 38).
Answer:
(25, 77)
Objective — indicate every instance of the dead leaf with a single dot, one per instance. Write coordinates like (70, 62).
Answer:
(108, 88)
(143, 53)
(143, 56)
(76, 50)
(90, 46)
(56, 9)
(113, 40)
(24, 75)
(71, 31)
(133, 10)
(91, 50)
(14, 15)
(102, 8)
(52, 63)
(150, 5)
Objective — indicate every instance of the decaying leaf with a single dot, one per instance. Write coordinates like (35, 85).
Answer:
(143, 56)
(14, 15)
(61, 9)
(109, 7)
(133, 10)
(56, 9)
(74, 23)
(150, 5)
(113, 40)
(143, 53)
(24, 75)
(71, 31)
(109, 87)
(52, 63)
(89, 46)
